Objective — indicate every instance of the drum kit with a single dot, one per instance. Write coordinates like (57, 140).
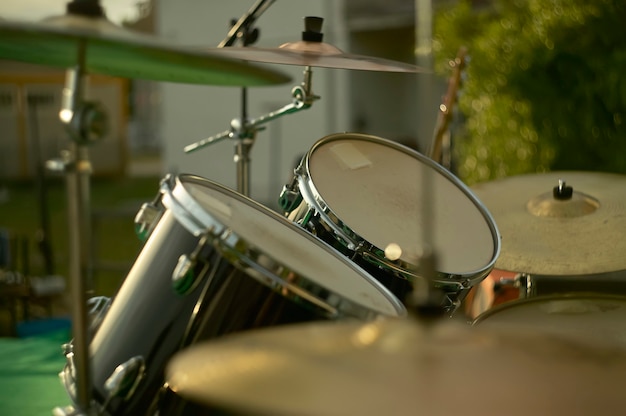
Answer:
(341, 303)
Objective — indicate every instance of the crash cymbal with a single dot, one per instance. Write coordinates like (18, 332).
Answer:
(546, 231)
(116, 51)
(399, 367)
(316, 54)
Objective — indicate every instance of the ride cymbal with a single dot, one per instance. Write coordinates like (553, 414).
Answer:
(116, 51)
(316, 54)
(572, 227)
(399, 367)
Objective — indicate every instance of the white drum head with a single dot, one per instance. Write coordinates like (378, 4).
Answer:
(287, 244)
(377, 189)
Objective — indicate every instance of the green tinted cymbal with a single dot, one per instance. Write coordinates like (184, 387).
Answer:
(116, 51)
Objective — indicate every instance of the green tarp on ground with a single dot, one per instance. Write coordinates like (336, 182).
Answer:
(29, 374)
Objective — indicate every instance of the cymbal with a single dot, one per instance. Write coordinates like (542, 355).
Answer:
(548, 234)
(316, 54)
(398, 366)
(116, 51)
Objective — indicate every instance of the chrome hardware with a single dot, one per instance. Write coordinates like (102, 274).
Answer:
(192, 267)
(147, 217)
(125, 378)
(67, 348)
(522, 281)
(290, 197)
(89, 123)
(67, 411)
(60, 165)
(85, 121)
(68, 374)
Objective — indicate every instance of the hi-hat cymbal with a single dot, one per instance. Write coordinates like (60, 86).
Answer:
(576, 231)
(400, 367)
(113, 50)
(316, 54)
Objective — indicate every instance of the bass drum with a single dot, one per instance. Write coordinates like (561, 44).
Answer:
(214, 262)
(377, 201)
(597, 318)
(502, 286)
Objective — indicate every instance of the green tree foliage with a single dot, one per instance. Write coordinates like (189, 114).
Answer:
(544, 89)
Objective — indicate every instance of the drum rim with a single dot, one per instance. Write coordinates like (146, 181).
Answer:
(545, 298)
(195, 218)
(315, 200)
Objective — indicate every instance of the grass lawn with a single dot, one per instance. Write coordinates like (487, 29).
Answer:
(114, 203)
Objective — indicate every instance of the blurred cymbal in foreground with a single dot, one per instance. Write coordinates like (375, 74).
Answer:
(116, 51)
(398, 366)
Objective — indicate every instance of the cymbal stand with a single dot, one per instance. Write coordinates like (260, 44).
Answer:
(427, 302)
(244, 130)
(85, 123)
(241, 129)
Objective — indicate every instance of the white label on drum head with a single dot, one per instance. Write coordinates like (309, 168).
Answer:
(349, 157)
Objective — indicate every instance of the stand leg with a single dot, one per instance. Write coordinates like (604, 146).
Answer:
(77, 180)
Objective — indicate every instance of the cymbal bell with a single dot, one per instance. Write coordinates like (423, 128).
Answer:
(546, 231)
(316, 54)
(340, 368)
(116, 51)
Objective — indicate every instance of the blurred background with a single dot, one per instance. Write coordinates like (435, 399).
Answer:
(541, 89)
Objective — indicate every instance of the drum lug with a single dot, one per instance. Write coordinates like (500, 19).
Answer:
(147, 217)
(290, 197)
(191, 267)
(125, 378)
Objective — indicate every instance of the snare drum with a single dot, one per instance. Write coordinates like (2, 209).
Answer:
(596, 317)
(216, 262)
(363, 194)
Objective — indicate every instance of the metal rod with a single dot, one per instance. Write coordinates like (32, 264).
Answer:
(242, 160)
(245, 140)
(77, 180)
(303, 98)
(288, 109)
